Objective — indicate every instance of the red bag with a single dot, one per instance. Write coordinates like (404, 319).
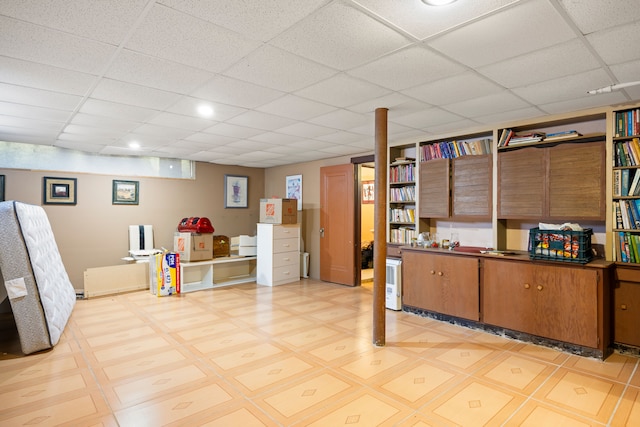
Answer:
(195, 224)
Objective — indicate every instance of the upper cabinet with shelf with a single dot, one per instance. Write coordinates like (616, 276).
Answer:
(455, 178)
(626, 185)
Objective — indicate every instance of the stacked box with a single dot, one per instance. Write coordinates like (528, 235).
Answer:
(193, 246)
(244, 245)
(278, 211)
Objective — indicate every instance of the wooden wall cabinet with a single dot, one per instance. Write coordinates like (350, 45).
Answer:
(626, 306)
(446, 284)
(564, 303)
(434, 189)
(553, 182)
(471, 181)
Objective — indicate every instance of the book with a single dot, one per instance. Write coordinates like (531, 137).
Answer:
(618, 215)
(625, 215)
(562, 135)
(617, 176)
(624, 183)
(633, 188)
(622, 247)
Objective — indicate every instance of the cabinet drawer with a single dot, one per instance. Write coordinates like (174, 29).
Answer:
(285, 258)
(286, 272)
(627, 274)
(285, 245)
(284, 232)
(393, 251)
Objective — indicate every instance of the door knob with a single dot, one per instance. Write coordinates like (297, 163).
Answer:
(322, 232)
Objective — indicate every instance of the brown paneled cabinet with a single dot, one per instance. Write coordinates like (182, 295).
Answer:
(626, 305)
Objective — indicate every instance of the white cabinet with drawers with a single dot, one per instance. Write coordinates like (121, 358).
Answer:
(278, 254)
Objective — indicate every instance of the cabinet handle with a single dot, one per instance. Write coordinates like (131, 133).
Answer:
(286, 259)
(623, 307)
(527, 286)
(440, 273)
(286, 245)
(432, 272)
(539, 287)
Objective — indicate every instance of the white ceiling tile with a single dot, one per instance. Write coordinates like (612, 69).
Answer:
(494, 103)
(595, 15)
(157, 73)
(29, 111)
(81, 146)
(229, 149)
(302, 129)
(116, 124)
(294, 107)
(444, 130)
(38, 44)
(557, 61)
(423, 21)
(90, 131)
(105, 21)
(526, 27)
(172, 35)
(342, 91)
(422, 119)
(8, 133)
(406, 68)
(188, 106)
(587, 101)
(564, 88)
(179, 121)
(340, 37)
(340, 137)
(617, 45)
(29, 123)
(162, 131)
(274, 138)
(391, 100)
(83, 138)
(233, 131)
(511, 115)
(236, 93)
(454, 89)
(259, 120)
(626, 73)
(278, 69)
(131, 94)
(309, 144)
(98, 107)
(341, 119)
(261, 20)
(38, 97)
(40, 76)
(342, 150)
(206, 139)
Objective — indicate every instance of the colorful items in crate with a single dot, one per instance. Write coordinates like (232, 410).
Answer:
(195, 224)
(164, 274)
(566, 242)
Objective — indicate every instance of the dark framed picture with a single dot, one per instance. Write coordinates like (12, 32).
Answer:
(59, 191)
(1, 188)
(125, 192)
(235, 191)
(367, 192)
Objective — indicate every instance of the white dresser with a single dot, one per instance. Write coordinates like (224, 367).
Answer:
(278, 254)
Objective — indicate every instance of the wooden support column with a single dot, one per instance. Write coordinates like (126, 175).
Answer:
(380, 227)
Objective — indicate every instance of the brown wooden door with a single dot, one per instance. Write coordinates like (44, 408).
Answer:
(337, 225)
(521, 183)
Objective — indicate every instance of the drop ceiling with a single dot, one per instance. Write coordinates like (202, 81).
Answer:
(293, 81)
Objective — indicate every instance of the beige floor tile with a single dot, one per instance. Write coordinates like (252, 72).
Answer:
(628, 413)
(373, 363)
(536, 414)
(250, 354)
(617, 367)
(521, 374)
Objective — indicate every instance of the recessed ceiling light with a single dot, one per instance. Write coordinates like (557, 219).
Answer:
(205, 110)
(135, 145)
(437, 2)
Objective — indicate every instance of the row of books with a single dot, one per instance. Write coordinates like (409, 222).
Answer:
(402, 173)
(627, 123)
(510, 138)
(627, 153)
(626, 182)
(454, 149)
(403, 194)
(402, 215)
(627, 214)
(628, 247)
(402, 235)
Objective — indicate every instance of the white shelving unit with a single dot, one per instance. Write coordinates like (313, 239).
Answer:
(196, 276)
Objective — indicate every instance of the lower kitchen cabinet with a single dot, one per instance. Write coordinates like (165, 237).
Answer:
(446, 284)
(567, 303)
(626, 305)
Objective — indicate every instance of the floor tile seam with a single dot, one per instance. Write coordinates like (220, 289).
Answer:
(627, 385)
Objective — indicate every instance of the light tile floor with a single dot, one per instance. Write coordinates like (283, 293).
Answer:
(298, 355)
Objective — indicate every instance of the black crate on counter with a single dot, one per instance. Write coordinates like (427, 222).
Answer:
(561, 245)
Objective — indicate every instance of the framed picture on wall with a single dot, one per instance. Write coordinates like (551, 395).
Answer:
(59, 191)
(236, 189)
(294, 189)
(125, 192)
(367, 192)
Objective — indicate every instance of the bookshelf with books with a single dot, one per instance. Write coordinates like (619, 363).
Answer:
(402, 195)
(626, 185)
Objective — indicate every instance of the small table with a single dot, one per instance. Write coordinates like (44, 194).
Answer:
(217, 272)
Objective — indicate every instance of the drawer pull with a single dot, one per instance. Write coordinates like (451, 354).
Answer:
(527, 286)
(440, 273)
(286, 245)
(623, 307)
(286, 273)
(432, 272)
(286, 259)
(539, 287)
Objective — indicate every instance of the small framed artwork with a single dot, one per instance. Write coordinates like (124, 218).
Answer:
(125, 192)
(294, 189)
(235, 191)
(59, 191)
(367, 192)
(1, 188)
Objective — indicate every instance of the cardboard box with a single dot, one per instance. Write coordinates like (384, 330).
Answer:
(278, 211)
(164, 274)
(244, 245)
(193, 246)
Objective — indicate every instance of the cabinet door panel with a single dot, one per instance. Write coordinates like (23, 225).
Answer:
(471, 186)
(434, 189)
(521, 183)
(460, 286)
(414, 271)
(577, 181)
